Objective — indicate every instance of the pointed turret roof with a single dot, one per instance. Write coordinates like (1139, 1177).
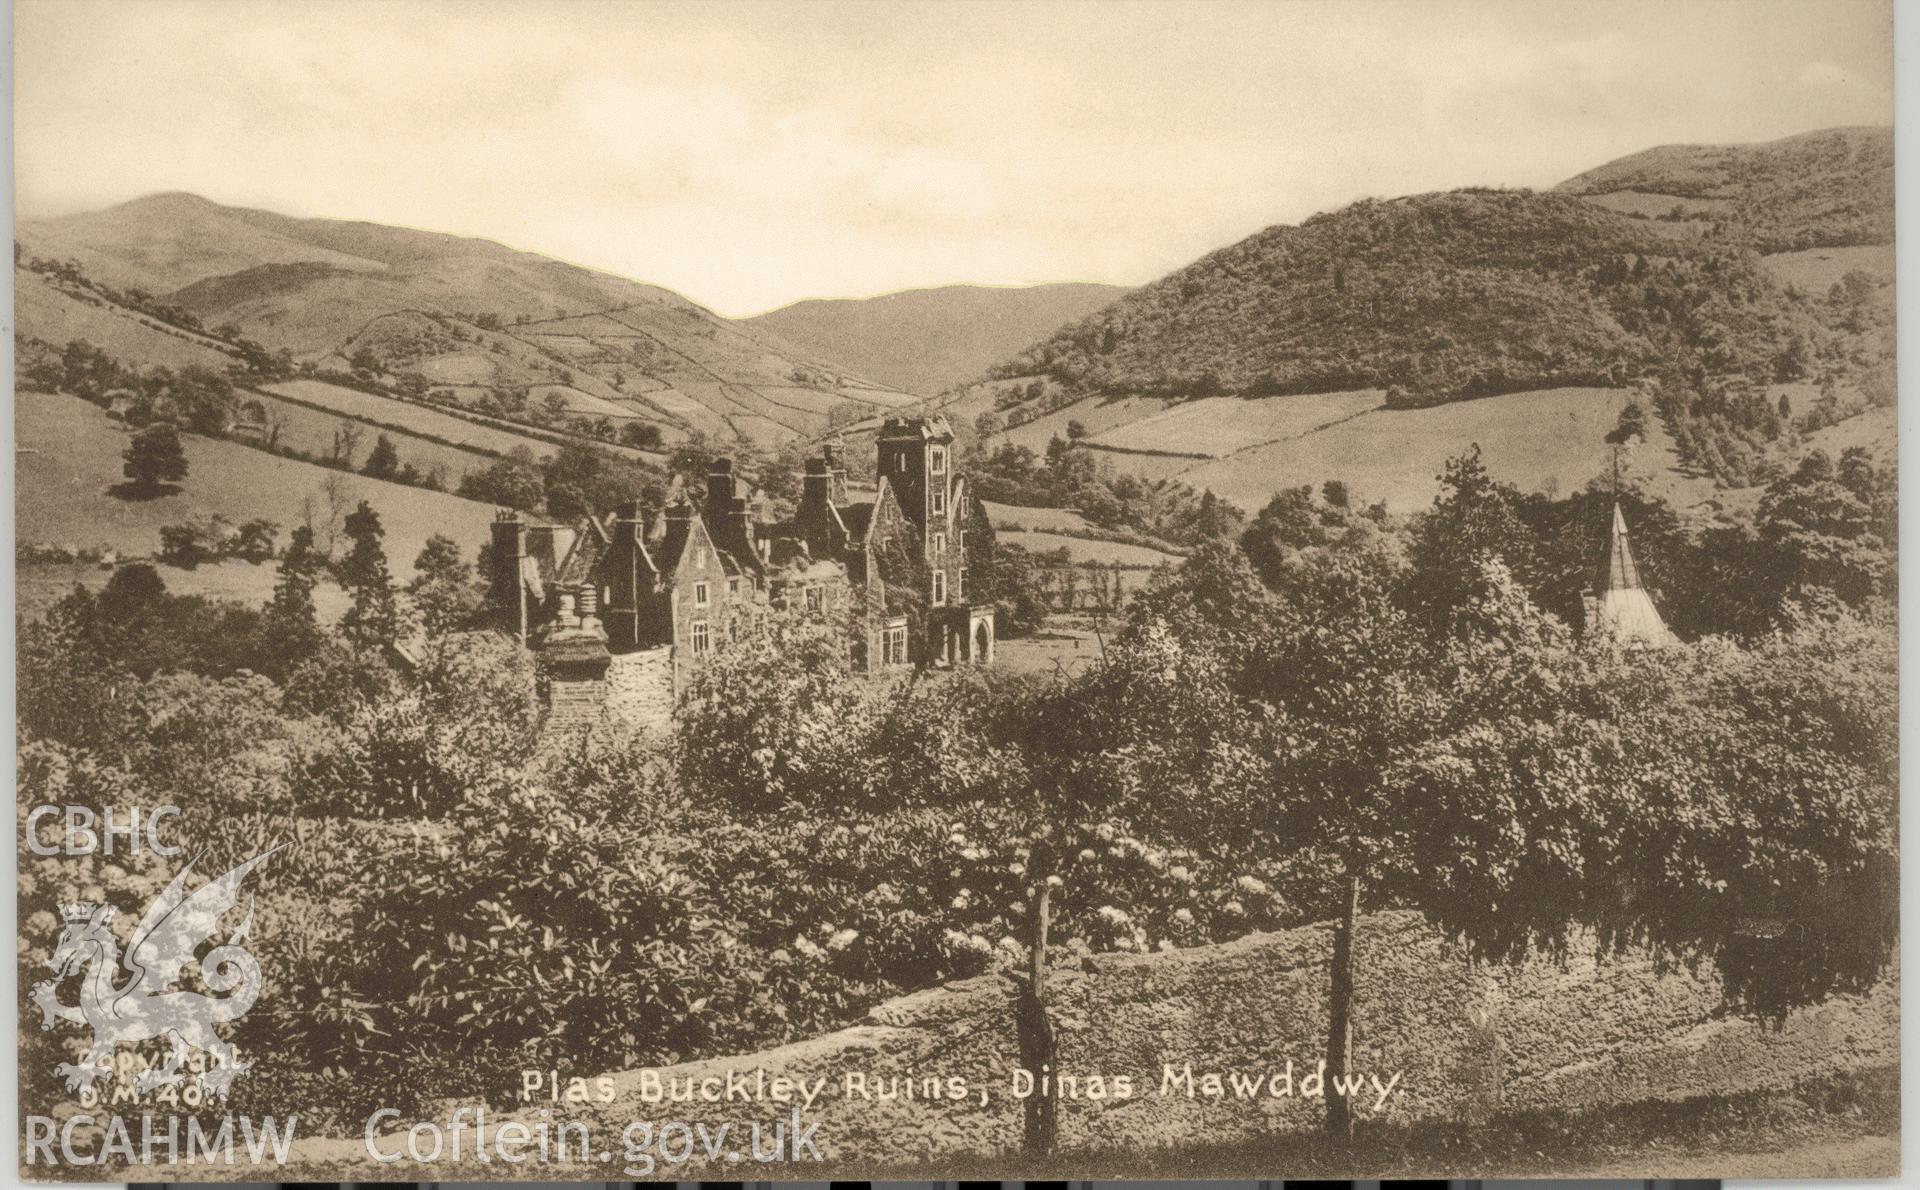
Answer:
(1622, 606)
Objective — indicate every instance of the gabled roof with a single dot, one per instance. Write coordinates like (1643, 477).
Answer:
(856, 518)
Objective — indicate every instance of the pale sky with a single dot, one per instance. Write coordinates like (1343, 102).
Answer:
(752, 154)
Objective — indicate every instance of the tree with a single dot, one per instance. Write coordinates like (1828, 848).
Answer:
(1632, 424)
(443, 590)
(154, 457)
(643, 435)
(383, 462)
(346, 440)
(374, 617)
(291, 611)
(1474, 518)
(1825, 525)
(511, 482)
(1759, 811)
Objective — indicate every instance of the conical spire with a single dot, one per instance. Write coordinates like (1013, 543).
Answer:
(1622, 606)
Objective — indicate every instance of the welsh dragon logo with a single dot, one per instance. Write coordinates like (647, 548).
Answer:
(149, 1004)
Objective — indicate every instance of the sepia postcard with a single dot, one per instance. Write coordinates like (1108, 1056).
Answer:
(800, 591)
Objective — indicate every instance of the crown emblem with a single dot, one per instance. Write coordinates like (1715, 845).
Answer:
(79, 913)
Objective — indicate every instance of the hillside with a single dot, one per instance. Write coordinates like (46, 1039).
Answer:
(58, 314)
(68, 463)
(1831, 188)
(1440, 296)
(929, 340)
(1303, 352)
(496, 328)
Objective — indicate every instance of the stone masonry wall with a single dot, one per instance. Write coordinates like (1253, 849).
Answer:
(1465, 1043)
(640, 687)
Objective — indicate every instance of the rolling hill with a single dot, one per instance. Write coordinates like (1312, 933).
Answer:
(1443, 296)
(479, 319)
(929, 340)
(1361, 342)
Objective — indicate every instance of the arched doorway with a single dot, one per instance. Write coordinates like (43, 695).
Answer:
(982, 643)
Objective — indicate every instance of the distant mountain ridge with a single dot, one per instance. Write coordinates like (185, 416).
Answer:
(929, 340)
(486, 324)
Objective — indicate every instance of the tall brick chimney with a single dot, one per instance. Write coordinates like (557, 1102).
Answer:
(816, 485)
(506, 590)
(719, 490)
(628, 521)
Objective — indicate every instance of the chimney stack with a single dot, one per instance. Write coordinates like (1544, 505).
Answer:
(836, 472)
(719, 489)
(509, 593)
(816, 485)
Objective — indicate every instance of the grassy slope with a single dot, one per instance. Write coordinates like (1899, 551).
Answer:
(351, 402)
(69, 458)
(1533, 439)
(1220, 426)
(46, 311)
(929, 340)
(1082, 549)
(311, 430)
(1817, 270)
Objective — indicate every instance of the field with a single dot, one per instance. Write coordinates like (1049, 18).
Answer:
(311, 430)
(1095, 414)
(1876, 429)
(39, 585)
(1020, 516)
(1082, 549)
(1814, 271)
(1541, 441)
(1064, 645)
(1214, 427)
(351, 402)
(68, 458)
(1648, 205)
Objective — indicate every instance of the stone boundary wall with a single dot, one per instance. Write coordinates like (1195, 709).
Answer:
(1464, 1043)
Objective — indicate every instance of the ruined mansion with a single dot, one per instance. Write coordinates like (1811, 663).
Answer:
(619, 610)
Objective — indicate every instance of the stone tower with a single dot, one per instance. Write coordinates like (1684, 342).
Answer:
(916, 460)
